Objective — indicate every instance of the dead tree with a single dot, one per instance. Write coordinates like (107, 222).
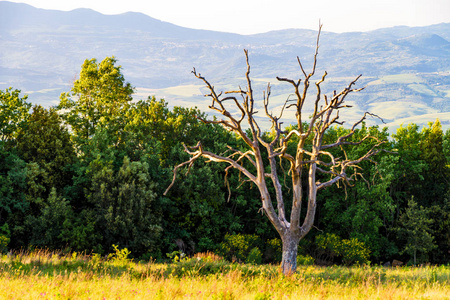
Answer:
(317, 159)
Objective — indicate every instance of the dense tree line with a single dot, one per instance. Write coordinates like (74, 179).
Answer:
(91, 172)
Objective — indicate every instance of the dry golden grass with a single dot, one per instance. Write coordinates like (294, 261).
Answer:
(48, 276)
(211, 256)
(228, 286)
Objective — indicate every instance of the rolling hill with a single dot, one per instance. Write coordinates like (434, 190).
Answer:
(406, 70)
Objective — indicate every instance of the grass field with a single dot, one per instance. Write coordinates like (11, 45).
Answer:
(44, 275)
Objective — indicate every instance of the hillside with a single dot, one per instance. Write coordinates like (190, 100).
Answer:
(406, 70)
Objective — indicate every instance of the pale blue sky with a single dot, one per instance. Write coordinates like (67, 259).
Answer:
(256, 16)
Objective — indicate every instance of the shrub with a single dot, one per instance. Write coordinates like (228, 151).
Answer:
(4, 241)
(176, 256)
(254, 257)
(354, 251)
(237, 247)
(328, 247)
(350, 251)
(4, 238)
(305, 260)
(120, 256)
(96, 261)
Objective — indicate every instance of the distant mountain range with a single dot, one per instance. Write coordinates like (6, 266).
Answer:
(406, 70)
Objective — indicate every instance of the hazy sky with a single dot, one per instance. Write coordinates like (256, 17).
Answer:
(256, 16)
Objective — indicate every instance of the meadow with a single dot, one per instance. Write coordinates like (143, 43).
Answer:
(51, 275)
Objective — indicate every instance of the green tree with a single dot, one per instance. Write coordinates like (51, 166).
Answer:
(47, 228)
(411, 166)
(446, 146)
(14, 112)
(363, 211)
(422, 173)
(13, 203)
(98, 98)
(437, 174)
(46, 148)
(409, 171)
(113, 190)
(12, 184)
(123, 200)
(198, 211)
(148, 120)
(366, 210)
(415, 227)
(436, 193)
(80, 232)
(46, 142)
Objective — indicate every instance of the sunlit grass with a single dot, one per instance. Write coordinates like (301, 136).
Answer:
(45, 275)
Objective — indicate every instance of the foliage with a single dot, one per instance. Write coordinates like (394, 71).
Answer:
(422, 174)
(98, 97)
(13, 202)
(47, 228)
(46, 142)
(119, 256)
(415, 226)
(237, 247)
(446, 146)
(80, 232)
(13, 175)
(254, 256)
(4, 237)
(363, 210)
(14, 112)
(436, 173)
(328, 247)
(123, 201)
(354, 251)
(351, 251)
(176, 256)
(305, 260)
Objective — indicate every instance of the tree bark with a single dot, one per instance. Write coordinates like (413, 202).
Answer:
(289, 254)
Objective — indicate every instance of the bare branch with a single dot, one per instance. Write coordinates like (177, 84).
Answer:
(175, 170)
(242, 155)
(342, 140)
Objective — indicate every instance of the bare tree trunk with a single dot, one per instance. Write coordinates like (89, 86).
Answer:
(289, 254)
